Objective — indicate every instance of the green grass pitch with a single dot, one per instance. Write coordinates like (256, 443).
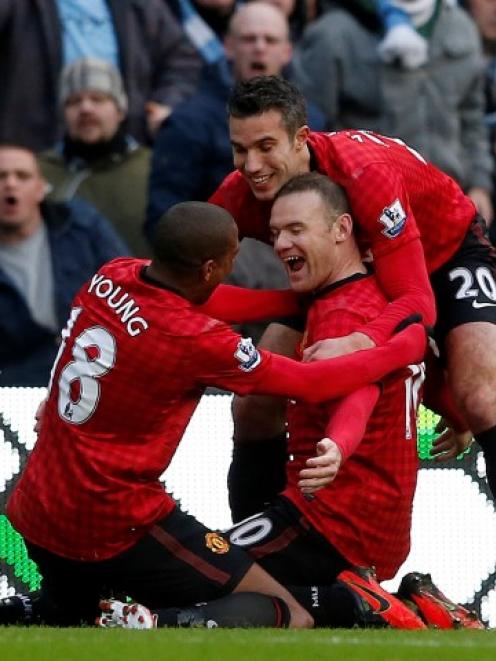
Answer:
(45, 644)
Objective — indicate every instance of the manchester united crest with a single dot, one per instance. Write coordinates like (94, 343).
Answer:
(216, 543)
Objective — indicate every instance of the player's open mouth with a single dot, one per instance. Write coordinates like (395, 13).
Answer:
(294, 263)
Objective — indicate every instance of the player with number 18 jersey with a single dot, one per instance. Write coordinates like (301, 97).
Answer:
(134, 362)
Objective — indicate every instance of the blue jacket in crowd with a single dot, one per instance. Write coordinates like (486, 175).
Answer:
(81, 240)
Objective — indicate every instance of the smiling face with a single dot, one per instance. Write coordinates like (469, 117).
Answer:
(265, 154)
(22, 188)
(311, 241)
(92, 116)
(258, 41)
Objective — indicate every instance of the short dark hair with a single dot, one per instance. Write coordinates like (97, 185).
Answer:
(264, 93)
(333, 195)
(190, 233)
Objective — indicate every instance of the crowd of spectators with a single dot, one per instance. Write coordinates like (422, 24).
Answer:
(124, 104)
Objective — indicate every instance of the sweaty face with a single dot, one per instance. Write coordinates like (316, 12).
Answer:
(22, 188)
(304, 240)
(258, 44)
(265, 154)
(92, 117)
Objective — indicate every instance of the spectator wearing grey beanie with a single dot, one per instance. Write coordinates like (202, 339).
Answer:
(38, 38)
(97, 159)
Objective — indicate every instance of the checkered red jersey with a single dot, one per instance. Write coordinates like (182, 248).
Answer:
(133, 364)
(366, 511)
(394, 195)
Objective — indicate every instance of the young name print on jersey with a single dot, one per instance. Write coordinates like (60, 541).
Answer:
(247, 354)
(120, 302)
(393, 218)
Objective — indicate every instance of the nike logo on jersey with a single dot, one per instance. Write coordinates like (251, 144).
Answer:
(476, 304)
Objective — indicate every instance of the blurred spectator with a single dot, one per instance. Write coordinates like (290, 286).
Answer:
(47, 251)
(37, 39)
(484, 14)
(97, 160)
(189, 164)
(343, 64)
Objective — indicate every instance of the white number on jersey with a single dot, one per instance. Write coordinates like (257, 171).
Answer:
(484, 279)
(251, 531)
(362, 136)
(94, 353)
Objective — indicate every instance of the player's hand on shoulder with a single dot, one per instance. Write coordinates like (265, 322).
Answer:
(321, 469)
(450, 443)
(338, 346)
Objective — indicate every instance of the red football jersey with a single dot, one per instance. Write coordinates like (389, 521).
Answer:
(400, 205)
(132, 367)
(366, 511)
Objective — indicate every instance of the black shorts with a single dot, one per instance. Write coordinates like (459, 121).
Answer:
(179, 562)
(284, 543)
(465, 287)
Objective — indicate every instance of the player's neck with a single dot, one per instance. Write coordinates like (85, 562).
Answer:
(348, 269)
(159, 278)
(195, 293)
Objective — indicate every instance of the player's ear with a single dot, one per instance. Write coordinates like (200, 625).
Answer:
(301, 137)
(207, 269)
(344, 227)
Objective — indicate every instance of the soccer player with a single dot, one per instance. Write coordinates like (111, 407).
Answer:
(135, 358)
(363, 517)
(414, 220)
